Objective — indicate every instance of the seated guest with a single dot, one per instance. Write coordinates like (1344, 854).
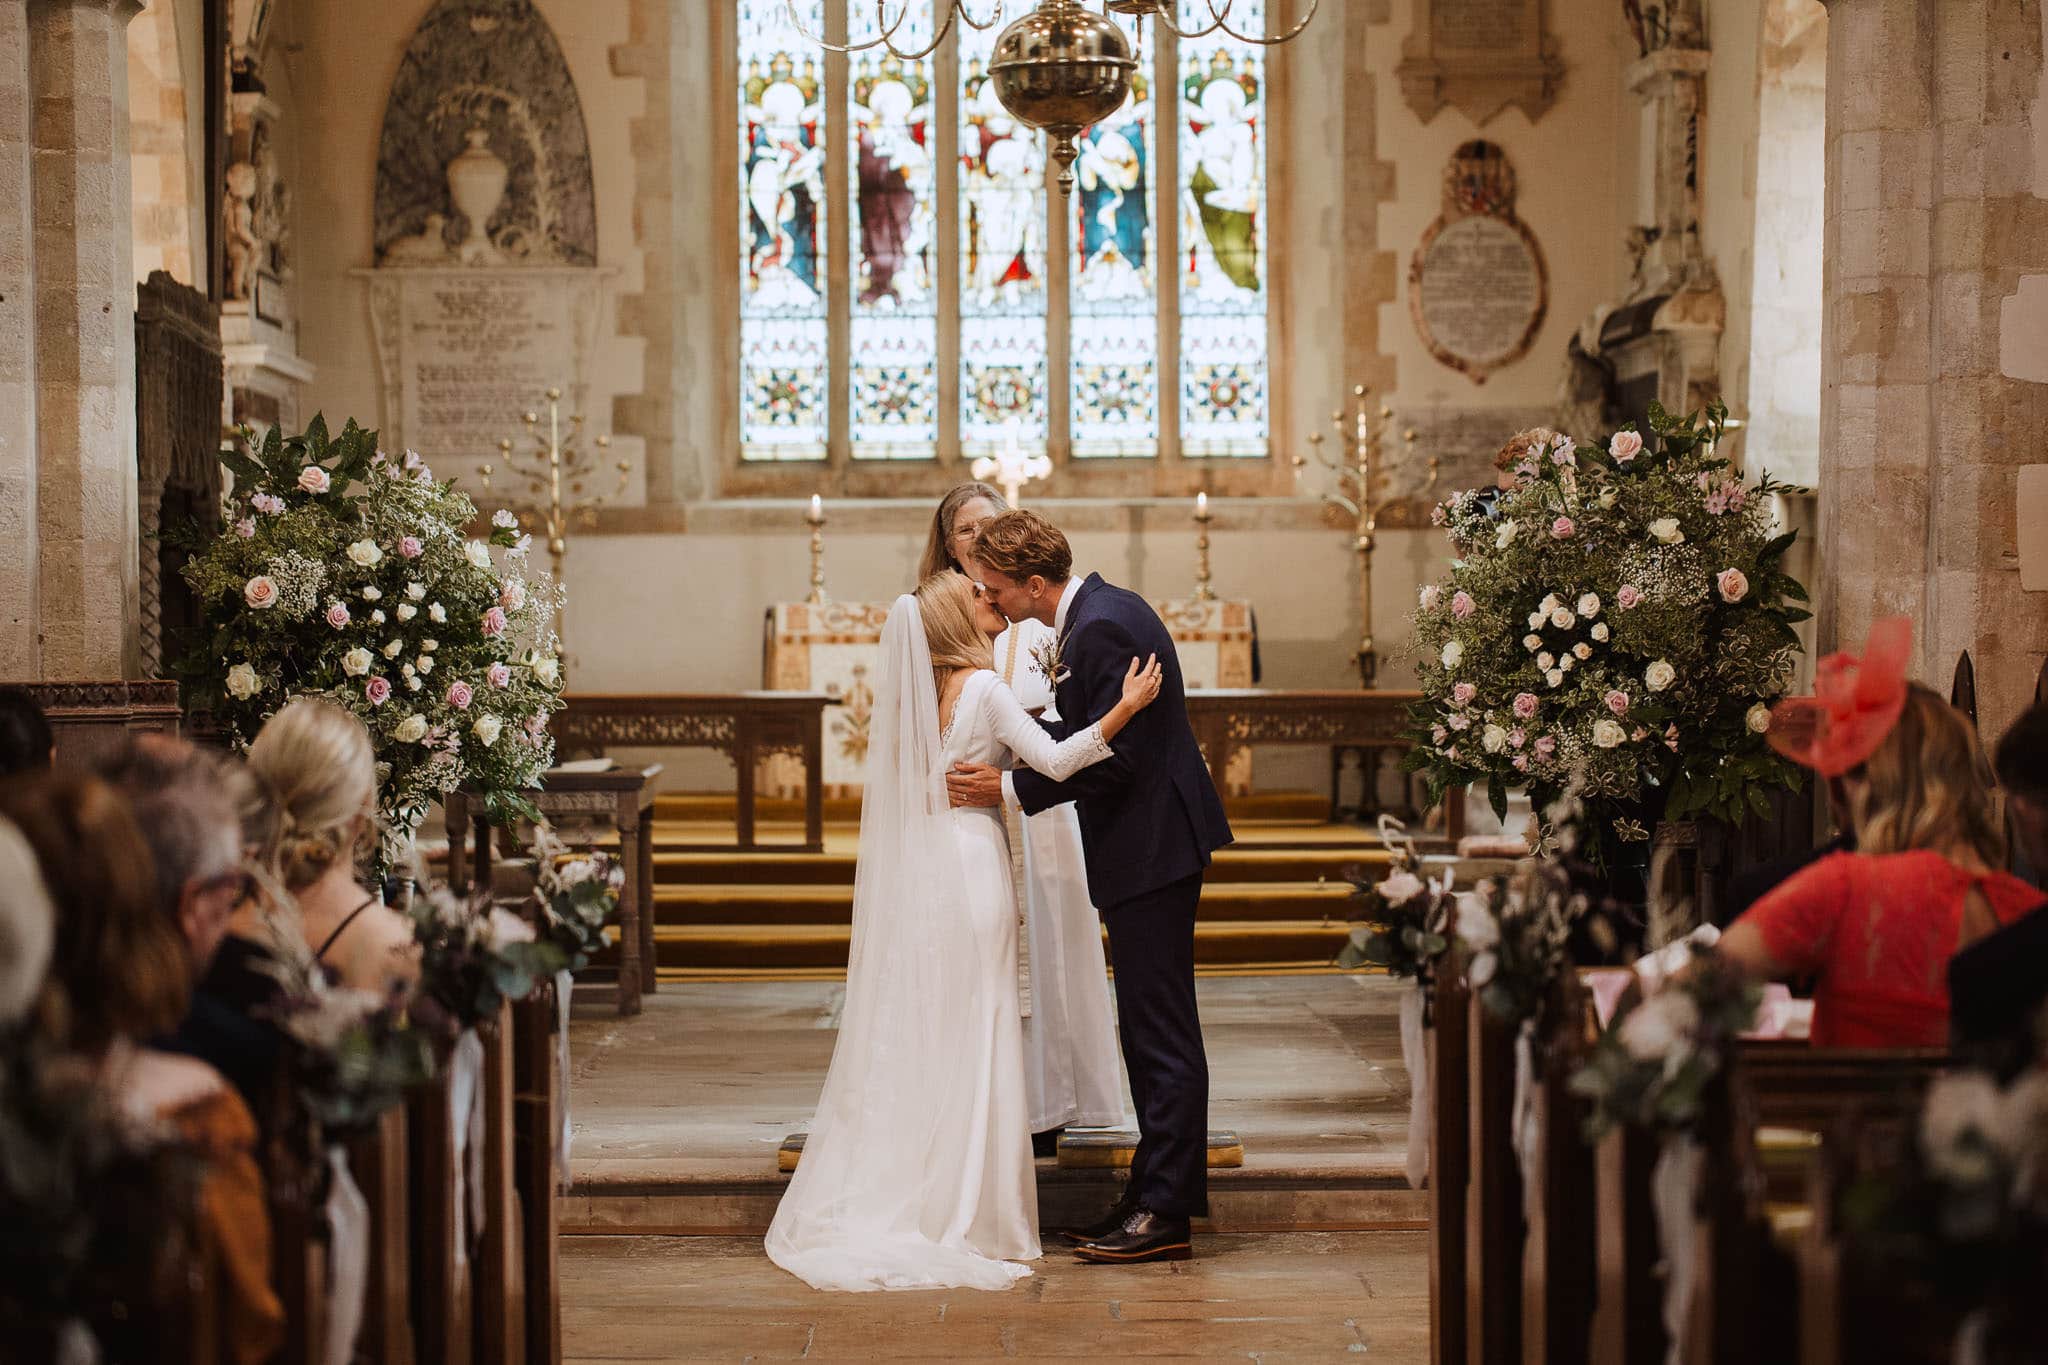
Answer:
(1999, 983)
(189, 805)
(125, 974)
(26, 744)
(1877, 927)
(313, 813)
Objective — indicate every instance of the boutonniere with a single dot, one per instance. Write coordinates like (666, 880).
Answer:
(1045, 657)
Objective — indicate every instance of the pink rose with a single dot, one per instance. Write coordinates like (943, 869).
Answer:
(1561, 528)
(1525, 704)
(1462, 605)
(1625, 446)
(1546, 745)
(1521, 762)
(1628, 597)
(246, 527)
(1463, 693)
(269, 504)
(459, 696)
(378, 690)
(410, 547)
(1617, 702)
(494, 621)
(1734, 587)
(337, 615)
(260, 592)
(1438, 733)
(1517, 737)
(314, 479)
(498, 675)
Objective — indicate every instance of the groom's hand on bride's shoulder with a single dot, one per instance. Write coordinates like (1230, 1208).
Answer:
(974, 784)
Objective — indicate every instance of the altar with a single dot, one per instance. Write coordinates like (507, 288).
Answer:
(835, 647)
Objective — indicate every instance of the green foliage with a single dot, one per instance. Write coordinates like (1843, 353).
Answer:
(1651, 1066)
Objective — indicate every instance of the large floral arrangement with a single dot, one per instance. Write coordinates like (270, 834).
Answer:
(346, 574)
(1651, 1066)
(1617, 611)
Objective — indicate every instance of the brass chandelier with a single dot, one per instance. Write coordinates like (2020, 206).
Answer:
(1061, 67)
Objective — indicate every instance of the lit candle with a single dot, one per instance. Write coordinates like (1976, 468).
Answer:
(1201, 506)
(817, 508)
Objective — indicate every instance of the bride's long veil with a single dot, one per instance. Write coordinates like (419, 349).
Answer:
(868, 1205)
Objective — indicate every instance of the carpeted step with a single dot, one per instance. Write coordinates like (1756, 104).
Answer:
(1248, 862)
(720, 807)
(780, 947)
(740, 905)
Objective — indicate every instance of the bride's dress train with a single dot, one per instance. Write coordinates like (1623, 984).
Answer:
(917, 1171)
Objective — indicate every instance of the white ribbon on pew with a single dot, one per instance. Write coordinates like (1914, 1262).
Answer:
(348, 1262)
(466, 1128)
(1674, 1194)
(1415, 1056)
(1522, 1128)
(564, 982)
(76, 1345)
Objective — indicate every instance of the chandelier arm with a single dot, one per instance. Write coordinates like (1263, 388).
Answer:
(883, 40)
(968, 20)
(952, 10)
(1220, 20)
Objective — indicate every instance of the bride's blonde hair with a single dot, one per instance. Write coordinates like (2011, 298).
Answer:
(945, 602)
(316, 791)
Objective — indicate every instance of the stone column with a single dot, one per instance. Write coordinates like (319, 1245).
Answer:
(1932, 392)
(18, 610)
(80, 341)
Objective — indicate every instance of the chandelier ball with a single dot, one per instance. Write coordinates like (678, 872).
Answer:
(1062, 68)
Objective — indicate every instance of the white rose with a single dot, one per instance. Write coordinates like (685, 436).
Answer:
(260, 592)
(1660, 675)
(547, 669)
(415, 591)
(391, 649)
(373, 593)
(1582, 650)
(1453, 652)
(1546, 660)
(1399, 888)
(504, 929)
(406, 669)
(1494, 739)
(1957, 1105)
(411, 730)
(1555, 677)
(487, 730)
(377, 617)
(242, 682)
(429, 646)
(1666, 530)
(1589, 605)
(364, 553)
(437, 614)
(1562, 618)
(477, 553)
(1548, 605)
(1659, 1024)
(406, 611)
(1567, 663)
(1431, 594)
(1758, 719)
(1599, 632)
(1477, 928)
(1503, 535)
(1607, 734)
(1537, 618)
(412, 682)
(356, 662)
(1532, 642)
(426, 663)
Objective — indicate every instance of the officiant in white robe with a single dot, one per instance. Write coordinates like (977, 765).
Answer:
(1071, 1068)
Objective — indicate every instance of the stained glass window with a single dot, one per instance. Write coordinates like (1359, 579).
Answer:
(1003, 360)
(1222, 265)
(783, 327)
(894, 405)
(1113, 289)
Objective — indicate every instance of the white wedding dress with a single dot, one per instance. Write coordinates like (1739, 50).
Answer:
(917, 1170)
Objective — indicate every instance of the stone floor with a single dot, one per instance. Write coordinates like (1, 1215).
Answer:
(1297, 1296)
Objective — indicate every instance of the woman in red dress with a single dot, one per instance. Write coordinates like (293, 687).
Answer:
(1878, 926)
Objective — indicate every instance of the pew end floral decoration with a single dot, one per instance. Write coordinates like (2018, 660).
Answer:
(1617, 611)
(1651, 1066)
(578, 894)
(475, 956)
(340, 572)
(1402, 919)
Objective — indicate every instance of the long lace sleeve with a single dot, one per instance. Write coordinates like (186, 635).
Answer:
(1034, 748)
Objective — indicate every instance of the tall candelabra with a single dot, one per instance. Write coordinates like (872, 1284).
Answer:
(556, 474)
(1203, 516)
(1353, 492)
(815, 518)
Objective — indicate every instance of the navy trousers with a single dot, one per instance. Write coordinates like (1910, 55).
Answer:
(1152, 948)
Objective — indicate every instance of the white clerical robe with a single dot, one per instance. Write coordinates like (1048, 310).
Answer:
(1070, 1051)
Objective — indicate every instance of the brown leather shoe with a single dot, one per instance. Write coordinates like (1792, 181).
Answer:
(1144, 1236)
(1102, 1227)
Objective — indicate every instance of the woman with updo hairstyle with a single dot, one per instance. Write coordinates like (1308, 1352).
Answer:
(314, 813)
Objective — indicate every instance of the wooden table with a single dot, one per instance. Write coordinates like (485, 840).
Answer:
(744, 726)
(622, 795)
(1228, 719)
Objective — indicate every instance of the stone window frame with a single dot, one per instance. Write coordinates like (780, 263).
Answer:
(1166, 474)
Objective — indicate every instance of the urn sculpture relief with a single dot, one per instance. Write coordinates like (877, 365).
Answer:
(476, 186)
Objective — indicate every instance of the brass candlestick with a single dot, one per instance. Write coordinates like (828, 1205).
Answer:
(1203, 592)
(816, 518)
(555, 474)
(1355, 495)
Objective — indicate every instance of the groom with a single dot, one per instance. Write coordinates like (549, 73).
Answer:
(1150, 817)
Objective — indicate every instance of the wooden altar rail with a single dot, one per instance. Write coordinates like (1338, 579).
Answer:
(1228, 719)
(744, 726)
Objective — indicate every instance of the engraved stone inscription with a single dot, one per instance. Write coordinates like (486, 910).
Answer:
(1481, 287)
(481, 350)
(1482, 25)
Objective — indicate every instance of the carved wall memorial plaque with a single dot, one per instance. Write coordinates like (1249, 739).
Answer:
(1478, 288)
(1481, 56)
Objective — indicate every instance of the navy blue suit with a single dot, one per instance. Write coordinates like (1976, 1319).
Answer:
(1150, 817)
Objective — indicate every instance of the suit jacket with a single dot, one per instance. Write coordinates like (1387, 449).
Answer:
(1149, 814)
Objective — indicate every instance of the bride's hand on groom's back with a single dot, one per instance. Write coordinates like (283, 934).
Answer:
(1142, 682)
(974, 784)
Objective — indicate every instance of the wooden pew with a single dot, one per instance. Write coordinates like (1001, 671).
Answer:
(500, 1267)
(293, 1177)
(1628, 1294)
(1493, 1194)
(1850, 1309)
(377, 1159)
(440, 1265)
(537, 1123)
(1449, 1096)
(1558, 1249)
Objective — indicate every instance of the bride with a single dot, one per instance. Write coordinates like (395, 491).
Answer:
(917, 1172)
